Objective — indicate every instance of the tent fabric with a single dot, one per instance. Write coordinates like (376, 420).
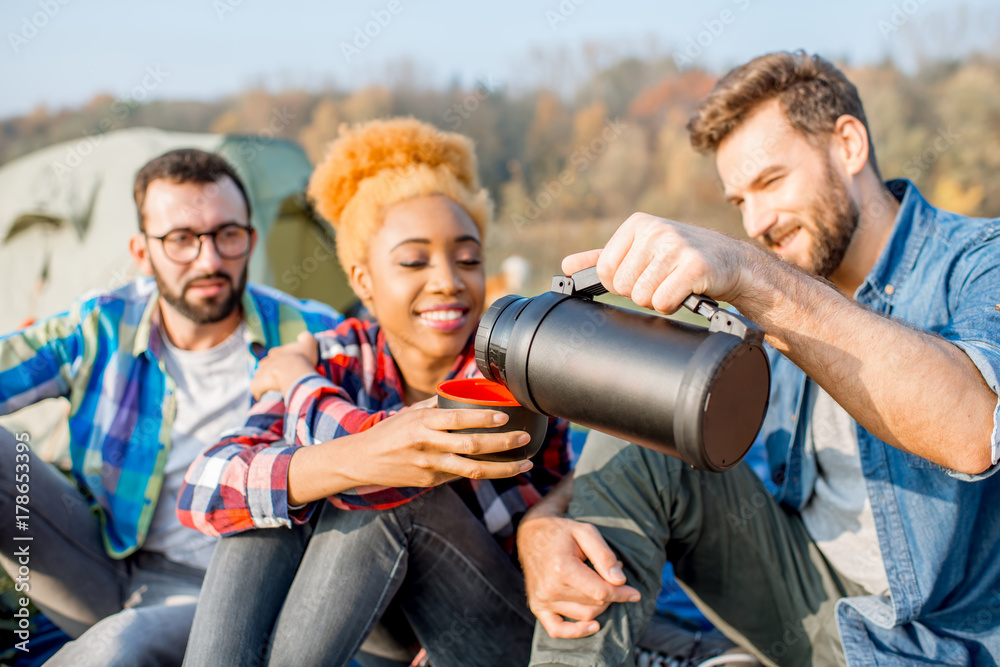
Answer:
(303, 257)
(271, 170)
(85, 188)
(67, 212)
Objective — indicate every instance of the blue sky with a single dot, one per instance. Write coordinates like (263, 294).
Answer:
(62, 54)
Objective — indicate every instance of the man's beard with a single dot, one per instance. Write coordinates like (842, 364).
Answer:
(213, 310)
(833, 219)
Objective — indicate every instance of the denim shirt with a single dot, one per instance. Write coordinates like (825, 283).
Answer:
(939, 530)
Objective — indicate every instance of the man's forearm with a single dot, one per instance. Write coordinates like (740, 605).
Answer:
(913, 390)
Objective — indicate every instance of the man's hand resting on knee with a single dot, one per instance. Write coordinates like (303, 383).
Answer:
(554, 552)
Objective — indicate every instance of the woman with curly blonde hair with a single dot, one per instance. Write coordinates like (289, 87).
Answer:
(346, 447)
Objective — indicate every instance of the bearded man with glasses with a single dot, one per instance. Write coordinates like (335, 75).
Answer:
(155, 372)
(231, 241)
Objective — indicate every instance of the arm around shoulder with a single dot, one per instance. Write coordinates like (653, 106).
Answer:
(241, 483)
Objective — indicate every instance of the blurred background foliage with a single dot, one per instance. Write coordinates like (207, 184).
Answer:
(568, 160)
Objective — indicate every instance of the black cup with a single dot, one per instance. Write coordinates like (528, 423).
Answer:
(481, 394)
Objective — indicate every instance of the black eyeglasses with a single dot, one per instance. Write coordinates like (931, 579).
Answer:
(231, 241)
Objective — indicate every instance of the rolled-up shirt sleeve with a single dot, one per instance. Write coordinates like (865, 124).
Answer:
(974, 325)
(241, 483)
(319, 410)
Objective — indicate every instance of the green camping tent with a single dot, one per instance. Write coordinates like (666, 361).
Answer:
(67, 212)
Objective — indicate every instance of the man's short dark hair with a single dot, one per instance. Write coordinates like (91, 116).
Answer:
(812, 92)
(184, 165)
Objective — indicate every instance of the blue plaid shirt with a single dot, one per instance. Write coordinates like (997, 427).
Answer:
(104, 356)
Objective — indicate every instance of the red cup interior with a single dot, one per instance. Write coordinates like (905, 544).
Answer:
(477, 391)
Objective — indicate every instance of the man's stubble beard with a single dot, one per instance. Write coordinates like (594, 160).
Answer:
(209, 312)
(836, 216)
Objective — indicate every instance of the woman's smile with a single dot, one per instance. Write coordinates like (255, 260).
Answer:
(447, 317)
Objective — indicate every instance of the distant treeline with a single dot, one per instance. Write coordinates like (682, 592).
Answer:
(561, 164)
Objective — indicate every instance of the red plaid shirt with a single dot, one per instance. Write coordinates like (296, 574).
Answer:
(241, 483)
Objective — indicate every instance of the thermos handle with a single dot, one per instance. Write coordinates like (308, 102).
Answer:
(587, 283)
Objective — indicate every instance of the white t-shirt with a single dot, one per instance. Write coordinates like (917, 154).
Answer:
(839, 514)
(213, 396)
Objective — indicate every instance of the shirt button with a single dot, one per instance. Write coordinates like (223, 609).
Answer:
(889, 289)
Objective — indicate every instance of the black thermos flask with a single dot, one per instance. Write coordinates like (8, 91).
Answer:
(696, 393)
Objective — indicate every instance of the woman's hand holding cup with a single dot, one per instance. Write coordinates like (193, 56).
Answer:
(417, 447)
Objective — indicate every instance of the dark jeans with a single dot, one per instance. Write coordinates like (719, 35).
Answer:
(135, 611)
(746, 561)
(310, 595)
